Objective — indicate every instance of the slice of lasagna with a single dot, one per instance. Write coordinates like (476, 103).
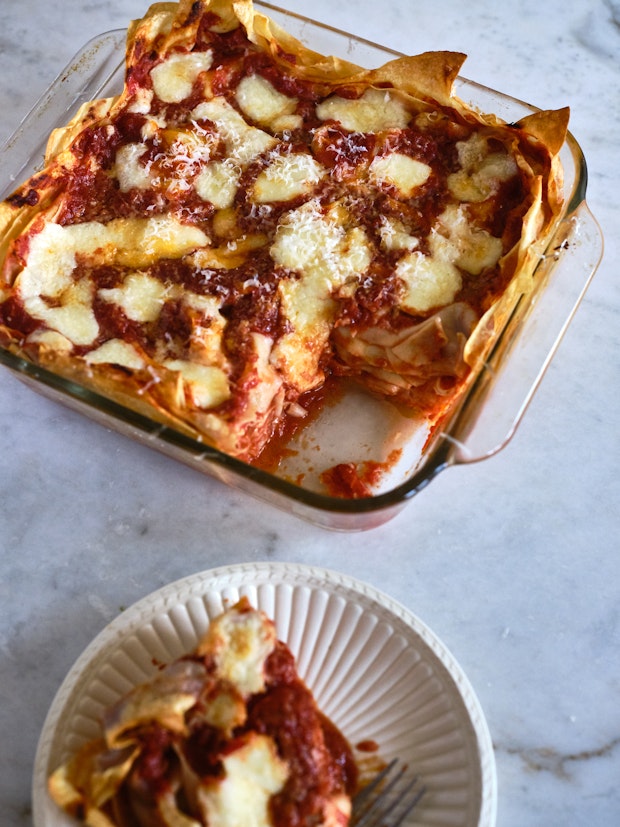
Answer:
(224, 737)
(249, 218)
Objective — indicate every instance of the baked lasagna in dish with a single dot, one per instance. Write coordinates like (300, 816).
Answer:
(226, 736)
(249, 220)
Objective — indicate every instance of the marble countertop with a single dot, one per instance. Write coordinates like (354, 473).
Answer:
(513, 562)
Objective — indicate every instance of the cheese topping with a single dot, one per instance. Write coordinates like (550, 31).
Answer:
(401, 171)
(287, 177)
(482, 171)
(430, 281)
(316, 244)
(129, 171)
(141, 297)
(218, 183)
(174, 78)
(394, 235)
(325, 254)
(142, 102)
(206, 386)
(74, 318)
(262, 102)
(116, 352)
(374, 111)
(51, 339)
(243, 142)
(241, 643)
(50, 294)
(252, 774)
(128, 241)
(458, 240)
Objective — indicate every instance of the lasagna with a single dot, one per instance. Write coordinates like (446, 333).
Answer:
(226, 736)
(249, 221)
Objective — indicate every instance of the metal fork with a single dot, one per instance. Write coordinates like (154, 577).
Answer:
(388, 799)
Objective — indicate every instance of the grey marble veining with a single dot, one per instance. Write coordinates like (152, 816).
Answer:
(513, 562)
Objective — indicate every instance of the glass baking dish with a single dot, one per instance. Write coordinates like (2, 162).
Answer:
(357, 428)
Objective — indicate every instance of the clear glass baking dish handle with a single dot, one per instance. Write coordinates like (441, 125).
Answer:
(514, 369)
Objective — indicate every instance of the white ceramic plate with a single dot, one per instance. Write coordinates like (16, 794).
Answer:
(375, 669)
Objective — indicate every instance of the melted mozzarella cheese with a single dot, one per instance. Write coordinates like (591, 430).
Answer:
(400, 171)
(129, 241)
(374, 111)
(286, 177)
(429, 281)
(138, 242)
(226, 710)
(51, 260)
(243, 142)
(208, 325)
(48, 291)
(206, 385)
(74, 319)
(116, 352)
(324, 254)
(218, 183)
(394, 235)
(128, 169)
(481, 171)
(455, 245)
(241, 642)
(253, 773)
(141, 297)
(175, 165)
(469, 247)
(174, 78)
(142, 101)
(209, 306)
(311, 241)
(51, 339)
(262, 102)
(47, 286)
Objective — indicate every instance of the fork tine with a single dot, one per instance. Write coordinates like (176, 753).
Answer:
(367, 791)
(390, 800)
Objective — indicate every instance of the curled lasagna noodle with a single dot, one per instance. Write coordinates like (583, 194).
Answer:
(249, 217)
(224, 736)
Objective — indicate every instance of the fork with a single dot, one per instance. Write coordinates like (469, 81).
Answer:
(388, 799)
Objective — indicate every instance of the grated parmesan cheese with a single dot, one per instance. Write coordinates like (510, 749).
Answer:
(287, 177)
(325, 254)
(243, 142)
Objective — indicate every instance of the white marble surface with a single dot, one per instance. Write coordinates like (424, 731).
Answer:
(513, 562)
